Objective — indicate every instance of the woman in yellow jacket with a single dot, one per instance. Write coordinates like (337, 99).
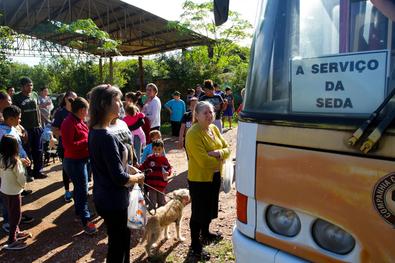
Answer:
(206, 149)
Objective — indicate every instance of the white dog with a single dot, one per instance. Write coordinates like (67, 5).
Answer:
(165, 215)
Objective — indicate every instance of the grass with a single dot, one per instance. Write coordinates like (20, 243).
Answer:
(165, 128)
(234, 123)
(220, 252)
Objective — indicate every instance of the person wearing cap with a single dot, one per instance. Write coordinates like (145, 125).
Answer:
(176, 107)
(216, 100)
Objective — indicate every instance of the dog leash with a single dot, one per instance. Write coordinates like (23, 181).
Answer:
(146, 198)
(158, 191)
(149, 200)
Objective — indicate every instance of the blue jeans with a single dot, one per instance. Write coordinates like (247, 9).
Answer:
(137, 147)
(35, 149)
(77, 170)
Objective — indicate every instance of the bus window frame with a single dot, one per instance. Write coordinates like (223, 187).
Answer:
(348, 121)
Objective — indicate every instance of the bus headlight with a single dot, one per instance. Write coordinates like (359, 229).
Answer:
(332, 238)
(283, 221)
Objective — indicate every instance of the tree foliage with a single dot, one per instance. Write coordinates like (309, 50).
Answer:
(6, 42)
(88, 29)
(200, 18)
(87, 36)
(59, 75)
(223, 60)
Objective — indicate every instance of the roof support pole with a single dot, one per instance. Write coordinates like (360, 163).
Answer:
(141, 73)
(101, 69)
(111, 71)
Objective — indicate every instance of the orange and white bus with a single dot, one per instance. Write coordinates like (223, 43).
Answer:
(306, 192)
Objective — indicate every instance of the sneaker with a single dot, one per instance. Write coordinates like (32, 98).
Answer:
(77, 218)
(40, 176)
(16, 245)
(23, 235)
(6, 227)
(26, 192)
(90, 228)
(26, 219)
(68, 196)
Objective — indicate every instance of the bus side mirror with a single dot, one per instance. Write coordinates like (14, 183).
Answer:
(221, 10)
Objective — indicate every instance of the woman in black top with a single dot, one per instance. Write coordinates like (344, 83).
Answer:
(108, 158)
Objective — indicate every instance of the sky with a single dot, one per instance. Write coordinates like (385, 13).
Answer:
(172, 9)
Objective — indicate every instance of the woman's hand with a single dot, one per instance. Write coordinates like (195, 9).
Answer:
(133, 170)
(136, 178)
(26, 162)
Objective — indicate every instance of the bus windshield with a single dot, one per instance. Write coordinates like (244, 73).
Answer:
(319, 58)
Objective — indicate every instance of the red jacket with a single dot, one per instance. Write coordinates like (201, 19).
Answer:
(155, 178)
(74, 137)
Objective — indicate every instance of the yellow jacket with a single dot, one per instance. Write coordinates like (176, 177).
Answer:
(198, 143)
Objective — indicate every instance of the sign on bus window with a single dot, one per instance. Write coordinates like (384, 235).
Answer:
(342, 83)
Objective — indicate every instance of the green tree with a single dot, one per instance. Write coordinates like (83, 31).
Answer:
(200, 18)
(223, 60)
(88, 29)
(16, 71)
(71, 74)
(6, 42)
(129, 71)
(87, 36)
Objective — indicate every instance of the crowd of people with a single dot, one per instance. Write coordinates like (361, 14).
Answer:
(120, 144)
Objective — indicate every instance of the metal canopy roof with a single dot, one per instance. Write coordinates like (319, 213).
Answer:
(140, 32)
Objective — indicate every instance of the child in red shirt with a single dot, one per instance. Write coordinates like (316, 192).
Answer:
(158, 171)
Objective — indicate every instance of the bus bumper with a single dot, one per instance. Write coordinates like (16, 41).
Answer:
(247, 250)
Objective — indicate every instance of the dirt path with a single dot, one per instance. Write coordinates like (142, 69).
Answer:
(57, 237)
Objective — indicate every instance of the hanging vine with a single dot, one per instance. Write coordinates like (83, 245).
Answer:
(86, 27)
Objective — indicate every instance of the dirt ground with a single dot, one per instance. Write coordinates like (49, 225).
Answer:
(58, 237)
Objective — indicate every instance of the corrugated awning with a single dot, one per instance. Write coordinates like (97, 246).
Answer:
(140, 32)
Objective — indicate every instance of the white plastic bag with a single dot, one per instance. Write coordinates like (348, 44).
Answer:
(227, 175)
(137, 211)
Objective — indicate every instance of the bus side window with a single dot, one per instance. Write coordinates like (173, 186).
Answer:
(392, 62)
(369, 27)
